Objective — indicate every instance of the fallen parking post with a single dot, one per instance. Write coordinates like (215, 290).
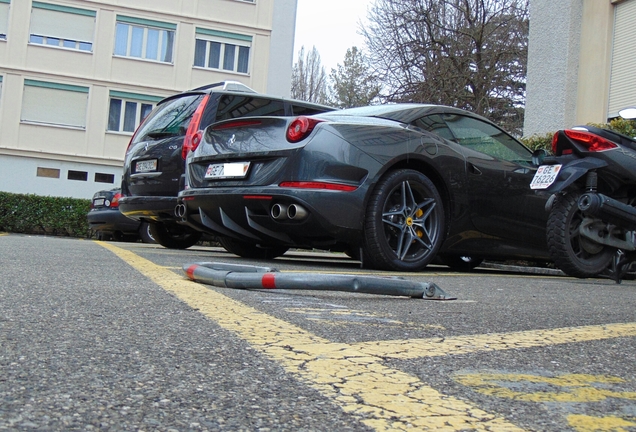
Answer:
(252, 277)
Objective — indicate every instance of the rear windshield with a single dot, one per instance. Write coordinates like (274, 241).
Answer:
(232, 106)
(171, 118)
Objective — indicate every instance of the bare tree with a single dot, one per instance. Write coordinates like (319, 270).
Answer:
(309, 79)
(465, 53)
(352, 83)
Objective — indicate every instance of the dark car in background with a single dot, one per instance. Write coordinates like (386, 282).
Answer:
(155, 159)
(396, 186)
(106, 222)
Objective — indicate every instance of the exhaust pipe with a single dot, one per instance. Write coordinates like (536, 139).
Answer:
(278, 212)
(608, 209)
(296, 212)
(180, 211)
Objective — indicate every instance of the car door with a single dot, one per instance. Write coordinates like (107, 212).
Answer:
(499, 170)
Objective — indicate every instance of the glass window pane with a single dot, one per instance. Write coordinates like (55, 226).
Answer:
(152, 44)
(85, 46)
(199, 52)
(166, 45)
(36, 39)
(136, 42)
(228, 57)
(130, 116)
(52, 41)
(145, 110)
(69, 44)
(215, 54)
(243, 59)
(121, 39)
(114, 114)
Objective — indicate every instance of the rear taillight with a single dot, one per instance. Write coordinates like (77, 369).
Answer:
(115, 201)
(194, 135)
(555, 140)
(590, 141)
(300, 128)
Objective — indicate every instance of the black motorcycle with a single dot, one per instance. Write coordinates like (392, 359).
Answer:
(592, 214)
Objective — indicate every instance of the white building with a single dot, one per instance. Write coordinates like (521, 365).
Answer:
(581, 62)
(77, 76)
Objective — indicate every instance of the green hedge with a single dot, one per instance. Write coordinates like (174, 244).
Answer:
(33, 214)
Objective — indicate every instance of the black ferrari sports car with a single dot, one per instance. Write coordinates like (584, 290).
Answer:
(394, 185)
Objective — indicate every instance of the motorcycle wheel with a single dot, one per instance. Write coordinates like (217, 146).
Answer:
(575, 255)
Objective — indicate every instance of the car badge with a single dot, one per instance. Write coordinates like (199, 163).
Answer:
(232, 139)
(146, 147)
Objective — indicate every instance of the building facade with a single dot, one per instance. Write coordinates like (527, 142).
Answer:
(581, 62)
(78, 76)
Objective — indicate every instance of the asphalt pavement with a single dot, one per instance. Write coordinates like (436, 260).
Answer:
(113, 336)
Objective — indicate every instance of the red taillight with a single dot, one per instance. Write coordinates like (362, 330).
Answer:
(318, 185)
(193, 134)
(592, 142)
(555, 139)
(115, 201)
(300, 127)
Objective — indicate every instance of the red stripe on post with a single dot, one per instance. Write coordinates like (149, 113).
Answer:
(269, 281)
(190, 271)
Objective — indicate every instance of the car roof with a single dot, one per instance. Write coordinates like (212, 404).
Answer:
(401, 112)
(237, 88)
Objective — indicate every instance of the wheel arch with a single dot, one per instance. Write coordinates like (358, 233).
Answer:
(417, 163)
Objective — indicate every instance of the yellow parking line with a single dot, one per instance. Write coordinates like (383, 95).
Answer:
(382, 398)
(414, 348)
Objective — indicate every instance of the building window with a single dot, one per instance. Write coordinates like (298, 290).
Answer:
(127, 110)
(77, 175)
(62, 26)
(145, 39)
(222, 50)
(48, 172)
(104, 178)
(54, 103)
(4, 18)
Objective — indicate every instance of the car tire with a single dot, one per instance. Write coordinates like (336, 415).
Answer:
(404, 222)
(145, 234)
(174, 236)
(574, 255)
(461, 263)
(251, 250)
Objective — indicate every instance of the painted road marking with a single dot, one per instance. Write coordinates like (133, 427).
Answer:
(354, 376)
(381, 397)
(414, 348)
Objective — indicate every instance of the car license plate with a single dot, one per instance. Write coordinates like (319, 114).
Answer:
(98, 202)
(227, 170)
(545, 176)
(146, 166)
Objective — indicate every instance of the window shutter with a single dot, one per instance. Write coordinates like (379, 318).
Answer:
(622, 85)
(4, 17)
(63, 25)
(54, 104)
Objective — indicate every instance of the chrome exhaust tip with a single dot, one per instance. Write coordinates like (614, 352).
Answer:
(180, 211)
(278, 212)
(296, 212)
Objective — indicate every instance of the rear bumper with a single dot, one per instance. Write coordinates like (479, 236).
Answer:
(149, 208)
(111, 221)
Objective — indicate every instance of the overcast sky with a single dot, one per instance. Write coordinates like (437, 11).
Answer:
(331, 26)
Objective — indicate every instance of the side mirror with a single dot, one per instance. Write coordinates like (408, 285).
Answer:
(538, 156)
(628, 113)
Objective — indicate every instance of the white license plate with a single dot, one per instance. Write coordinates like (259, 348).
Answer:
(545, 176)
(227, 170)
(98, 202)
(146, 166)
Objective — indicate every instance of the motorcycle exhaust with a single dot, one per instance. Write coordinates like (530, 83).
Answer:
(296, 212)
(278, 212)
(608, 210)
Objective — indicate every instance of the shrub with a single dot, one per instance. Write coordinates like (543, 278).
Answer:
(33, 214)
